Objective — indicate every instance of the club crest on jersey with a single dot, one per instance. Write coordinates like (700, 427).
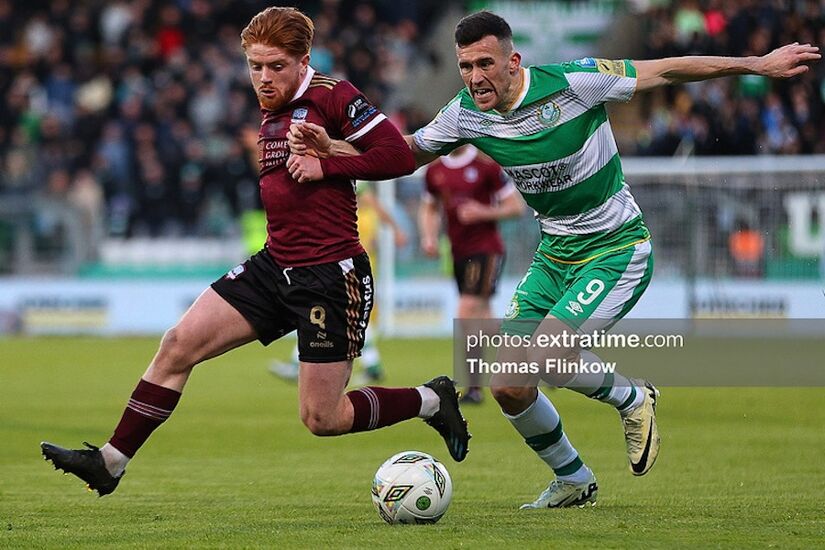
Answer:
(549, 113)
(299, 114)
(512, 310)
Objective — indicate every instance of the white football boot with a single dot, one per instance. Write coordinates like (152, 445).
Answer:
(640, 432)
(562, 494)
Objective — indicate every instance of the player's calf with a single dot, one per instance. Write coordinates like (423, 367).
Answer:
(436, 402)
(513, 399)
(177, 355)
(325, 423)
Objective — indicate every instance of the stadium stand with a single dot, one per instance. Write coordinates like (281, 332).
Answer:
(139, 114)
(125, 121)
(738, 116)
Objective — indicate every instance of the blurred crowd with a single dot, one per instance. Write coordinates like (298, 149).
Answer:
(736, 116)
(139, 113)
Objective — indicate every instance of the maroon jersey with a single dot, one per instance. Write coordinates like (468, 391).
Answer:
(454, 180)
(314, 223)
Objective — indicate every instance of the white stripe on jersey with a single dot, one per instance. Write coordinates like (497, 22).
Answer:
(595, 88)
(615, 212)
(363, 131)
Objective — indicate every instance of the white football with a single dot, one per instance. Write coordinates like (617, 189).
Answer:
(412, 487)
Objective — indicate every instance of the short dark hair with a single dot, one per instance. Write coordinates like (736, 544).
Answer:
(476, 26)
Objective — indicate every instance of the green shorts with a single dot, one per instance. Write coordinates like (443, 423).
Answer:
(597, 292)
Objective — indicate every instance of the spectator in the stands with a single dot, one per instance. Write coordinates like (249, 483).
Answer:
(147, 98)
(746, 116)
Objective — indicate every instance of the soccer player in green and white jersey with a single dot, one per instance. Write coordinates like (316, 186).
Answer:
(547, 127)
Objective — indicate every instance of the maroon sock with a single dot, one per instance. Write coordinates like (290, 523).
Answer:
(378, 407)
(149, 406)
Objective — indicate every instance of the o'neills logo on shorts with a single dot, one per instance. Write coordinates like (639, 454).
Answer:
(322, 344)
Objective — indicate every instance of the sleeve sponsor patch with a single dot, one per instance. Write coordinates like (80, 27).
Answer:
(586, 62)
(359, 110)
(611, 66)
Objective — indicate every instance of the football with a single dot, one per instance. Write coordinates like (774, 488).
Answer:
(411, 487)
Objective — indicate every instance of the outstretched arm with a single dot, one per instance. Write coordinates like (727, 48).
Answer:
(421, 157)
(313, 140)
(784, 62)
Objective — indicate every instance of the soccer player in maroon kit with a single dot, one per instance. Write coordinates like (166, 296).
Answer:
(474, 194)
(312, 276)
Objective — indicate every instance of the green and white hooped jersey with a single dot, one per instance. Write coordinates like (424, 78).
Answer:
(557, 146)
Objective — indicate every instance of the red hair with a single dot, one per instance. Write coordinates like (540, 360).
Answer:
(285, 28)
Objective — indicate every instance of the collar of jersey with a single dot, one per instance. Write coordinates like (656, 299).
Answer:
(525, 86)
(547, 80)
(304, 85)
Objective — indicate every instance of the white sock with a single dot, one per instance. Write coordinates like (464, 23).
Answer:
(430, 403)
(115, 460)
(295, 360)
(612, 388)
(370, 357)
(586, 383)
(540, 426)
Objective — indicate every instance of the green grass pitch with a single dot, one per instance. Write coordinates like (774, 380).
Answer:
(235, 468)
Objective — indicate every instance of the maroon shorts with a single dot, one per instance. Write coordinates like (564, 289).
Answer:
(477, 275)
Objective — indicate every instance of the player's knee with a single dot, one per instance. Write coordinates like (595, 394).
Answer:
(513, 399)
(318, 423)
(175, 354)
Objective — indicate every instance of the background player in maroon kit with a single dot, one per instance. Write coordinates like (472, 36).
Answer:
(313, 275)
(475, 194)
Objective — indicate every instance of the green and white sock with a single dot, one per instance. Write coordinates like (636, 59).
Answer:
(612, 388)
(541, 428)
